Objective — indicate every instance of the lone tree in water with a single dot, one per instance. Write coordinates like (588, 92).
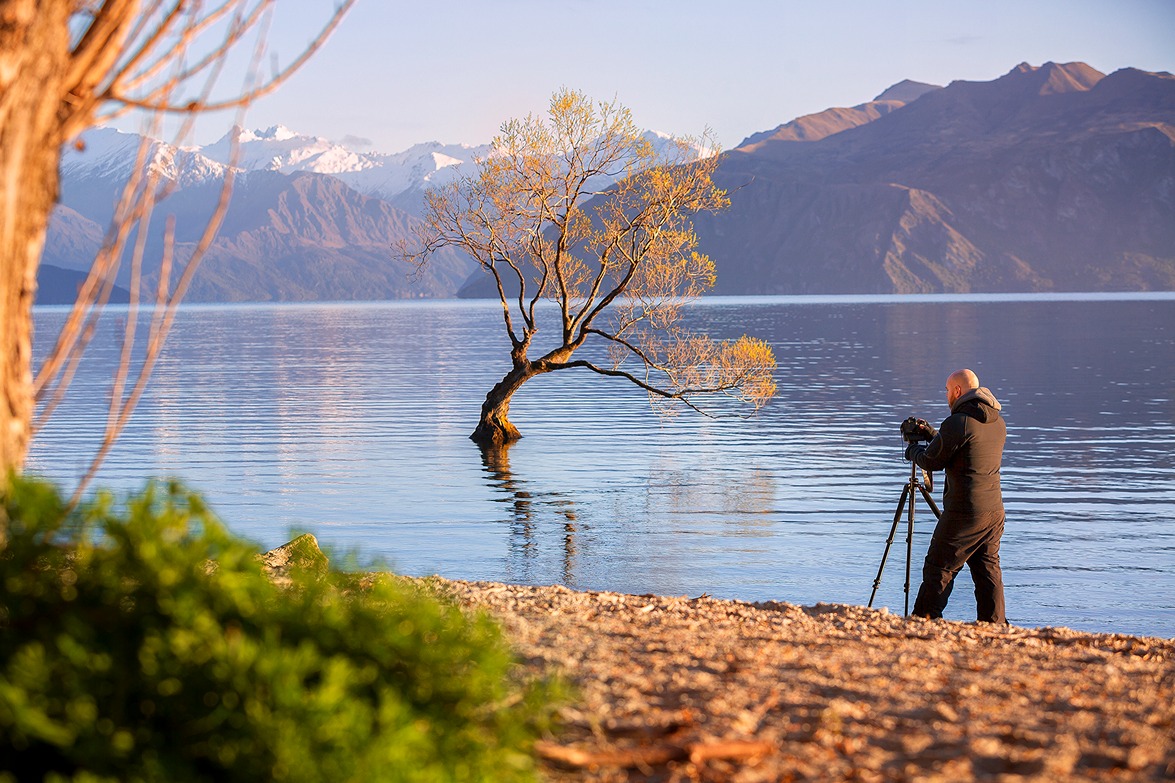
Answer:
(618, 264)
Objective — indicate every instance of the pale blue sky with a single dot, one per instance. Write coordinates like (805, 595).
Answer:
(399, 73)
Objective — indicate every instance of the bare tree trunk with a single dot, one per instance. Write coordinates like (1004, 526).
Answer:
(494, 428)
(34, 55)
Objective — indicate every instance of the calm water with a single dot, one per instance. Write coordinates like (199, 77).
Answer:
(351, 422)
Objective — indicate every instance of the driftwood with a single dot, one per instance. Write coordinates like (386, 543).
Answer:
(701, 752)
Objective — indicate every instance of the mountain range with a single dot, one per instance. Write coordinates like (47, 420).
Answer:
(1050, 178)
(308, 220)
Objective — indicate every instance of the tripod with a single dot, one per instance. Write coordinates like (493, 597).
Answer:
(907, 493)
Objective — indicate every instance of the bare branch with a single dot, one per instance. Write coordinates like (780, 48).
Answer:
(137, 56)
(242, 22)
(249, 96)
(100, 47)
(681, 396)
(93, 55)
(128, 77)
(126, 215)
(639, 353)
(120, 408)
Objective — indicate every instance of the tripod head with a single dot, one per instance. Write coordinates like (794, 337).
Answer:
(917, 430)
(913, 431)
(927, 484)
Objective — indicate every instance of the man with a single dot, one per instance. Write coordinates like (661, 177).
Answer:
(968, 446)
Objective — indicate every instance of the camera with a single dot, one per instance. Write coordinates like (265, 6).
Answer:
(915, 430)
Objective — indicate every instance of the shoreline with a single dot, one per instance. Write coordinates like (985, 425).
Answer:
(705, 689)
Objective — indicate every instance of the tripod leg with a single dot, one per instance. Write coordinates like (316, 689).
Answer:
(909, 541)
(889, 542)
(910, 530)
(930, 502)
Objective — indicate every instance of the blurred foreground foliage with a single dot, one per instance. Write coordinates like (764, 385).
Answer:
(146, 644)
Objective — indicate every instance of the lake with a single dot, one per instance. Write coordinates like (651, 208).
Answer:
(351, 421)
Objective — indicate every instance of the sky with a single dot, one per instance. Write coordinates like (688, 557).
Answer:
(400, 73)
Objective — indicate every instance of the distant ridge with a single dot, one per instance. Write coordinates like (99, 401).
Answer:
(1054, 79)
(1049, 178)
(813, 127)
(906, 91)
(57, 286)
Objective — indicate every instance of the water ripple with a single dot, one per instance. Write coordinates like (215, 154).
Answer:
(352, 421)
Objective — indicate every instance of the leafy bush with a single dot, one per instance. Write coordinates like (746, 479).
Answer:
(148, 645)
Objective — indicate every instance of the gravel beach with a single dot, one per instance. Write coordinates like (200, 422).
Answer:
(699, 689)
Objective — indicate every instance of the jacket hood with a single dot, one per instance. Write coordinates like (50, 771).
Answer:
(979, 399)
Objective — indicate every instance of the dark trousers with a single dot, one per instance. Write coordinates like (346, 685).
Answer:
(958, 539)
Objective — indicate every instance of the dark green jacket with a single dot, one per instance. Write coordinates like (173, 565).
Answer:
(969, 446)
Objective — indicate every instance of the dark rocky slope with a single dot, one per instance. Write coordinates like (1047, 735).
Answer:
(1047, 179)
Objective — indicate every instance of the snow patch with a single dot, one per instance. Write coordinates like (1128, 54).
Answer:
(111, 153)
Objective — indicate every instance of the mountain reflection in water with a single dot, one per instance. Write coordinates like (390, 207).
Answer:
(351, 421)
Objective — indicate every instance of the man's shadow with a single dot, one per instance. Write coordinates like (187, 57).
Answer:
(529, 509)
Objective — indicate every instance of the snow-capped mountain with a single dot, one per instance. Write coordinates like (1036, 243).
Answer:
(309, 217)
(106, 153)
(399, 178)
(380, 175)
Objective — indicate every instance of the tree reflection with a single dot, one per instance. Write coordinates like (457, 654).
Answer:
(528, 509)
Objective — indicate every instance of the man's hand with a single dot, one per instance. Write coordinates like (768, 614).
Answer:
(913, 450)
(925, 431)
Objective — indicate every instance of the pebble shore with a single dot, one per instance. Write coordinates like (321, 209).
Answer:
(700, 689)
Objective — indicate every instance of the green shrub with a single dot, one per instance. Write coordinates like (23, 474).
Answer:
(147, 645)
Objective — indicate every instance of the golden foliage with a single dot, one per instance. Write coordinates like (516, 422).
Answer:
(581, 209)
(680, 365)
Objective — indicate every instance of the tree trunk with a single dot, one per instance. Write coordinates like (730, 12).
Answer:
(494, 428)
(34, 56)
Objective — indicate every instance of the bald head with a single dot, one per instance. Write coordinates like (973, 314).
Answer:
(959, 383)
